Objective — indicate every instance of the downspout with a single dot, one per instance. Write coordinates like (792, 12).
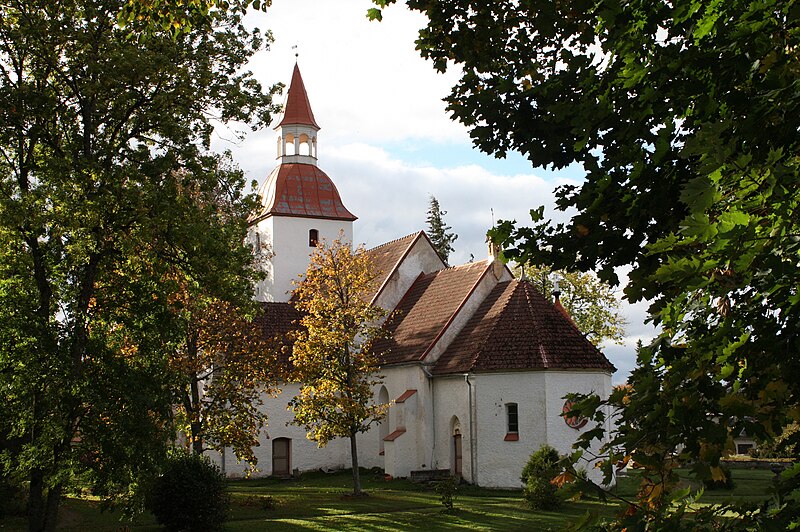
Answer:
(473, 470)
(433, 462)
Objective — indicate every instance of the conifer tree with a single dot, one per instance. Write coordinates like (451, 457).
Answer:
(438, 230)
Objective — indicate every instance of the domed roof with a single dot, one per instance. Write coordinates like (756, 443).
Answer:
(297, 189)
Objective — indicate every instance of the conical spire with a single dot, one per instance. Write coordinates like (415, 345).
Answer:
(298, 109)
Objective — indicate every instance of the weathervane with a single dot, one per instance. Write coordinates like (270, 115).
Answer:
(296, 52)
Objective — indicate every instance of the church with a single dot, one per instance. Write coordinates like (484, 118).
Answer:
(476, 367)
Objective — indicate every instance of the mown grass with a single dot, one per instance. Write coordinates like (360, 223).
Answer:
(321, 501)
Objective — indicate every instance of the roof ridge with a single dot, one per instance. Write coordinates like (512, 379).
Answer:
(394, 241)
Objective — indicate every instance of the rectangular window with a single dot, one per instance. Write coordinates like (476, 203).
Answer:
(512, 418)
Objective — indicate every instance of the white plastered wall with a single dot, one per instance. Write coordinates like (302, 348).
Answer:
(287, 241)
(306, 455)
(421, 258)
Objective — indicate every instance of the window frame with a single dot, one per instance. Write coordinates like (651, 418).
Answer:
(512, 422)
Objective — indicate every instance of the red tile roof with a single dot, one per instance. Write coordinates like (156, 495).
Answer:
(516, 328)
(394, 435)
(297, 189)
(277, 320)
(404, 396)
(387, 257)
(298, 108)
(425, 310)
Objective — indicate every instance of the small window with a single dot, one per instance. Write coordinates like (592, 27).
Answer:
(313, 238)
(512, 421)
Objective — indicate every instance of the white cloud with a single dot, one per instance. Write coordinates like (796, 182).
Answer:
(386, 134)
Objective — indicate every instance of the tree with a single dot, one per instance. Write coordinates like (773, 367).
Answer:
(109, 205)
(441, 239)
(224, 368)
(332, 355)
(590, 303)
(685, 117)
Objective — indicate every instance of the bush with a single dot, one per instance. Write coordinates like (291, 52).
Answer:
(189, 495)
(542, 466)
(13, 498)
(447, 490)
(727, 484)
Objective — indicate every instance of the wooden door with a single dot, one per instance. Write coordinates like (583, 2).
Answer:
(457, 460)
(281, 457)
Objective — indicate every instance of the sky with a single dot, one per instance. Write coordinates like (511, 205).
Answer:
(387, 141)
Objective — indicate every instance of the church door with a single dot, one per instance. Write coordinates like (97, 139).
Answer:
(281, 457)
(457, 454)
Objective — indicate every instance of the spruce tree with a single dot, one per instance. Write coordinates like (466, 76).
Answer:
(438, 231)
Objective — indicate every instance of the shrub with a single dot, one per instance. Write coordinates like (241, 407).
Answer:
(190, 494)
(542, 466)
(13, 498)
(726, 484)
(447, 490)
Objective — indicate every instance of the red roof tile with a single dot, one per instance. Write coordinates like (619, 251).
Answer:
(298, 108)
(425, 310)
(405, 395)
(276, 321)
(516, 328)
(387, 257)
(394, 435)
(297, 189)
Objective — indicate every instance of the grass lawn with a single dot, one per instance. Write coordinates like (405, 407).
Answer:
(321, 502)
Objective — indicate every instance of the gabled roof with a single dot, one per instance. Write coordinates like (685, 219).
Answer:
(297, 189)
(388, 257)
(425, 311)
(516, 328)
(298, 109)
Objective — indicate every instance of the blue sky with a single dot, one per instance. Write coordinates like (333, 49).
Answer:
(386, 139)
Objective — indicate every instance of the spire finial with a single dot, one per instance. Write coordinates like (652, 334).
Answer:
(296, 52)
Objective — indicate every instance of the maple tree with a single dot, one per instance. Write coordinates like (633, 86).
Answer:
(685, 116)
(332, 358)
(110, 204)
(225, 368)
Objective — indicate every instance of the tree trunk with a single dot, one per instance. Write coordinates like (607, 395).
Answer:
(354, 458)
(36, 516)
(196, 424)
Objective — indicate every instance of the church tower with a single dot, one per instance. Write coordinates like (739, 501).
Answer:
(299, 204)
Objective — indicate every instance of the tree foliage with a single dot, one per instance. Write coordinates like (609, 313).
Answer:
(438, 231)
(332, 355)
(109, 205)
(175, 17)
(685, 116)
(224, 369)
(590, 303)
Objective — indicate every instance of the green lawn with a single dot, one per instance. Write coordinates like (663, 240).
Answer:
(321, 502)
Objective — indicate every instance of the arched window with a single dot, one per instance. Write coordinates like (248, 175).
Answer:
(305, 145)
(313, 238)
(512, 422)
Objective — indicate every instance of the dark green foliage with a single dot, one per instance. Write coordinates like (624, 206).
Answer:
(685, 116)
(439, 232)
(110, 203)
(190, 494)
(448, 490)
(541, 468)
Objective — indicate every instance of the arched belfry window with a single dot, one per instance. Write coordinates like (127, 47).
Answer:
(313, 238)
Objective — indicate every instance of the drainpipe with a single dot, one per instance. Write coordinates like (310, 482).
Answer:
(472, 468)
(433, 462)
